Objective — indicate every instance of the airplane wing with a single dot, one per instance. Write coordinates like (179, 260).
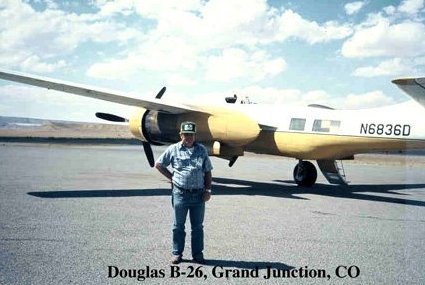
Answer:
(414, 87)
(164, 105)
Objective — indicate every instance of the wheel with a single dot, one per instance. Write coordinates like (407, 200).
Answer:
(305, 174)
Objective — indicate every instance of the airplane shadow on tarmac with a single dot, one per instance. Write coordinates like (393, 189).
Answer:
(277, 188)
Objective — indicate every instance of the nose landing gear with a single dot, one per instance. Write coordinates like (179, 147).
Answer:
(305, 173)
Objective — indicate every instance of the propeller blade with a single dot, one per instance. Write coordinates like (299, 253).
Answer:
(110, 117)
(233, 160)
(160, 93)
(149, 154)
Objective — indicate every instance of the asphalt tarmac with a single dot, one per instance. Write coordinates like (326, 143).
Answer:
(100, 215)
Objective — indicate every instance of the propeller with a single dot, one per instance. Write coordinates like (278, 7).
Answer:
(146, 146)
(149, 154)
(110, 117)
(161, 92)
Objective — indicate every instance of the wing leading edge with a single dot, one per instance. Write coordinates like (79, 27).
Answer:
(97, 93)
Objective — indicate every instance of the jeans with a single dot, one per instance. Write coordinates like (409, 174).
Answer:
(184, 202)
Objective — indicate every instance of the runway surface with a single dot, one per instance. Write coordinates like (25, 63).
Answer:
(76, 214)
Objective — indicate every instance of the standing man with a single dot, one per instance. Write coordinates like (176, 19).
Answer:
(191, 187)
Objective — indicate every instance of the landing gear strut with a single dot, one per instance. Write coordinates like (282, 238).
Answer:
(305, 173)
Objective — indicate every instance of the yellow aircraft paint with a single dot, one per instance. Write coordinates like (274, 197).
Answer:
(234, 130)
(135, 123)
(310, 146)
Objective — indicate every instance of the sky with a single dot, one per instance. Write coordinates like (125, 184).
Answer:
(342, 54)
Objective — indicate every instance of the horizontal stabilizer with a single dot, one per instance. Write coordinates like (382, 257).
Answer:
(414, 87)
(332, 172)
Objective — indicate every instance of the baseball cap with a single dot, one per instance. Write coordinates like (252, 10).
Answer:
(188, 128)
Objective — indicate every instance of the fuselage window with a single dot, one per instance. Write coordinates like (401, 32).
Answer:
(326, 126)
(297, 124)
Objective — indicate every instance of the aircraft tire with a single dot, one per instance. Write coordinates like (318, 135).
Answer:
(307, 175)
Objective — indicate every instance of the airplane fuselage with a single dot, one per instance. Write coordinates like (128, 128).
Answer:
(313, 133)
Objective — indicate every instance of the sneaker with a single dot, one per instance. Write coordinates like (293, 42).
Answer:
(176, 259)
(199, 258)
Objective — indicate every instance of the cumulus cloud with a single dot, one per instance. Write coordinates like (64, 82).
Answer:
(207, 32)
(34, 63)
(291, 24)
(395, 66)
(419, 61)
(411, 6)
(113, 69)
(180, 80)
(189, 42)
(36, 37)
(147, 8)
(353, 7)
(165, 54)
(396, 31)
(184, 35)
(367, 100)
(405, 39)
(220, 22)
(389, 10)
(237, 63)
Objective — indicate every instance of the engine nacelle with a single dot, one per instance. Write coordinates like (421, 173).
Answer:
(232, 130)
(135, 124)
(154, 127)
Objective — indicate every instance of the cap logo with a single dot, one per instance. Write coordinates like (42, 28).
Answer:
(188, 127)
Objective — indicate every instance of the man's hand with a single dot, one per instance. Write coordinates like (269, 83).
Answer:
(206, 196)
(164, 171)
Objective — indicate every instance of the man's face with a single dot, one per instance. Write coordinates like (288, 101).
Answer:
(187, 139)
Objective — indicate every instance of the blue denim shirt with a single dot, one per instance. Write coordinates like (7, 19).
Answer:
(189, 164)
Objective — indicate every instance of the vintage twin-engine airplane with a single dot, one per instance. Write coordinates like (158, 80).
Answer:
(315, 132)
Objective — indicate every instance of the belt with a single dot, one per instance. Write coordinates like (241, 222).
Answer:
(188, 189)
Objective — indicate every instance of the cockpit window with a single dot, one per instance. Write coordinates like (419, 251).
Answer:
(297, 124)
(326, 126)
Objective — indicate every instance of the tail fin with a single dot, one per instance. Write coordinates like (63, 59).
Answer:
(414, 87)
